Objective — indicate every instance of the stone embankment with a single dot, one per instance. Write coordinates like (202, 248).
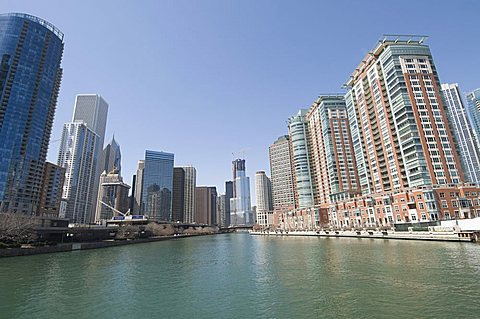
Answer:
(381, 234)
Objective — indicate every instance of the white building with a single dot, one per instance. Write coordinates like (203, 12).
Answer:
(80, 154)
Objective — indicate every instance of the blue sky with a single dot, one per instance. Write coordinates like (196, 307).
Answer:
(205, 79)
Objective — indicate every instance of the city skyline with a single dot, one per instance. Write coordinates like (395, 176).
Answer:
(253, 80)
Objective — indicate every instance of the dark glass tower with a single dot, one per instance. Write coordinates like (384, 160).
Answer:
(30, 55)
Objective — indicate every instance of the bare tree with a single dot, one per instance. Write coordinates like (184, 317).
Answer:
(17, 229)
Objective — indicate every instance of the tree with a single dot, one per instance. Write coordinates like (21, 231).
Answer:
(17, 229)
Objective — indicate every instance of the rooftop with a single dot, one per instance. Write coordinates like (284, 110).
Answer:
(38, 20)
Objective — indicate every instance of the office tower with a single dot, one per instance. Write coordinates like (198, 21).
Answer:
(400, 130)
(205, 205)
(467, 144)
(282, 178)
(30, 74)
(51, 191)
(178, 197)
(473, 108)
(112, 157)
(112, 196)
(81, 154)
(228, 197)
(332, 158)
(263, 191)
(299, 137)
(137, 206)
(240, 204)
(221, 210)
(157, 185)
(183, 202)
(189, 193)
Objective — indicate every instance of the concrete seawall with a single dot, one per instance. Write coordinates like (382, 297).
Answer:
(65, 247)
(426, 236)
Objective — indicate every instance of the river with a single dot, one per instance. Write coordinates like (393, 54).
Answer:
(244, 276)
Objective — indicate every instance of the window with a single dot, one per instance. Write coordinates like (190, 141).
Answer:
(420, 205)
(444, 204)
(447, 215)
(442, 195)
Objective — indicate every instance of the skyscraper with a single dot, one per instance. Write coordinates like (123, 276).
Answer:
(281, 168)
(332, 158)
(221, 210)
(400, 130)
(52, 187)
(183, 203)
(30, 74)
(468, 145)
(178, 196)
(205, 205)
(228, 197)
(263, 191)
(473, 108)
(301, 153)
(77, 155)
(81, 154)
(112, 192)
(240, 204)
(157, 185)
(137, 206)
(189, 193)
(112, 157)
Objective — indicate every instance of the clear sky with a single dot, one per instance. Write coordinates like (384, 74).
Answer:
(205, 79)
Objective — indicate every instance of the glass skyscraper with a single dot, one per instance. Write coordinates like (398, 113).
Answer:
(473, 108)
(157, 185)
(30, 56)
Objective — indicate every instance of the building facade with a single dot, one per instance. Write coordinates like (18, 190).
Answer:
(401, 135)
(263, 191)
(240, 204)
(221, 211)
(467, 143)
(178, 196)
(137, 205)
(112, 157)
(80, 153)
(51, 191)
(205, 205)
(77, 155)
(157, 185)
(282, 175)
(228, 197)
(112, 196)
(189, 193)
(30, 74)
(473, 111)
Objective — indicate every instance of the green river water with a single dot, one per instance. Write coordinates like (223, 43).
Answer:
(244, 276)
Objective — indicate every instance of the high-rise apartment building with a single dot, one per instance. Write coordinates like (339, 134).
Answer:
(189, 193)
(112, 196)
(80, 154)
(240, 204)
(30, 74)
(282, 174)
(332, 159)
(205, 205)
(51, 191)
(302, 157)
(112, 157)
(473, 108)
(221, 210)
(467, 143)
(400, 130)
(157, 186)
